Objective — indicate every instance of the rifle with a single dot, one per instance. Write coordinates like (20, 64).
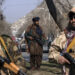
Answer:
(69, 58)
(40, 41)
(11, 66)
(8, 63)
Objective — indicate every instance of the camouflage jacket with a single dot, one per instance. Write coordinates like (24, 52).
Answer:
(14, 53)
(58, 45)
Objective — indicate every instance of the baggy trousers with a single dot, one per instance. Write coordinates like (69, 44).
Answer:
(35, 60)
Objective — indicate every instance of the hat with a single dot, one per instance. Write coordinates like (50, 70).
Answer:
(72, 11)
(34, 19)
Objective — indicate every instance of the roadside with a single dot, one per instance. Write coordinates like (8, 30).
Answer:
(46, 69)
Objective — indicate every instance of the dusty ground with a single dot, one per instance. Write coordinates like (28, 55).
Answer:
(47, 68)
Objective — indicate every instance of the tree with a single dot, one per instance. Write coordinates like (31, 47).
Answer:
(4, 26)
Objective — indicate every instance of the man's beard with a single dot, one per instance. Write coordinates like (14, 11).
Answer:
(71, 26)
(36, 24)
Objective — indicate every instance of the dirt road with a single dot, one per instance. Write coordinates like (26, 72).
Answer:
(47, 68)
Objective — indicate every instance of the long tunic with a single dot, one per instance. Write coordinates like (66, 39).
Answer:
(34, 47)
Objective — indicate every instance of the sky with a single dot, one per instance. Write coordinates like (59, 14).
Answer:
(16, 9)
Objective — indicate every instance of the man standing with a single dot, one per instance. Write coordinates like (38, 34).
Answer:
(61, 43)
(34, 34)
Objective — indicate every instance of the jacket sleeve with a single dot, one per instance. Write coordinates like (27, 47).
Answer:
(57, 47)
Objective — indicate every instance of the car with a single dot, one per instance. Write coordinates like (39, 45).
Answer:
(45, 49)
(23, 47)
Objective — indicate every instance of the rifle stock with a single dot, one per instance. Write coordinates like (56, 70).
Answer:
(13, 69)
(4, 62)
(14, 66)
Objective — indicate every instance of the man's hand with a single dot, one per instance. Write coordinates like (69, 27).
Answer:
(63, 60)
(31, 38)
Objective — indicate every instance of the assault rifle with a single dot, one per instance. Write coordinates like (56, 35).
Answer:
(69, 58)
(40, 41)
(11, 66)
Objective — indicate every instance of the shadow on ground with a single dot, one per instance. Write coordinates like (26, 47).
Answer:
(47, 68)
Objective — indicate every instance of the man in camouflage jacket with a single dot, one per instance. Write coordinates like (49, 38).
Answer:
(15, 54)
